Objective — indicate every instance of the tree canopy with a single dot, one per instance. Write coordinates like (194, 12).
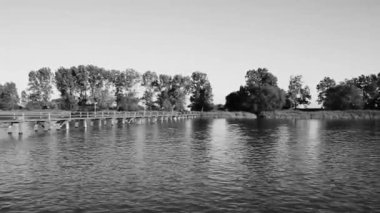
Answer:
(40, 86)
(9, 98)
(201, 92)
(260, 93)
(297, 93)
(356, 93)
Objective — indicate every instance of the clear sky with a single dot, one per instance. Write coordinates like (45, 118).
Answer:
(224, 38)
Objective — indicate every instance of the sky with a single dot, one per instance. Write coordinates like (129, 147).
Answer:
(223, 38)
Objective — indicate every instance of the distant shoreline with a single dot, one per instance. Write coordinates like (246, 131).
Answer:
(226, 114)
(283, 114)
(323, 114)
(299, 114)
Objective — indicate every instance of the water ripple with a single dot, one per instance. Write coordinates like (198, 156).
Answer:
(195, 166)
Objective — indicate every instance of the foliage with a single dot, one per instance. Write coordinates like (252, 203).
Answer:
(66, 85)
(297, 94)
(343, 97)
(40, 86)
(96, 80)
(238, 101)
(80, 77)
(260, 77)
(8, 96)
(260, 93)
(323, 86)
(370, 87)
(173, 91)
(201, 92)
(150, 82)
(128, 102)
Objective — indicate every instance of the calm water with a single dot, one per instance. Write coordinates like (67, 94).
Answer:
(195, 166)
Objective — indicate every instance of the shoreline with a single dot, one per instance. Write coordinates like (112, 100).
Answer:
(226, 114)
(299, 114)
(323, 114)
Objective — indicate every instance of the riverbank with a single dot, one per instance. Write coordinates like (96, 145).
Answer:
(322, 114)
(224, 114)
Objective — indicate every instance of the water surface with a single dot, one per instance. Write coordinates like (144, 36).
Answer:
(195, 166)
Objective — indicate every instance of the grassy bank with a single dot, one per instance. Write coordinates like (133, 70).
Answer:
(322, 114)
(224, 114)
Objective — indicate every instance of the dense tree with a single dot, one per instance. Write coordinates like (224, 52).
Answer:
(369, 85)
(266, 98)
(260, 77)
(297, 94)
(106, 97)
(164, 86)
(238, 101)
(173, 91)
(81, 82)
(8, 96)
(180, 88)
(96, 80)
(201, 92)
(343, 97)
(323, 86)
(150, 82)
(124, 83)
(40, 86)
(260, 93)
(65, 83)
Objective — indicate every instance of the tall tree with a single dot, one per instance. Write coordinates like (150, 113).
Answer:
(65, 83)
(150, 82)
(263, 92)
(323, 86)
(164, 86)
(368, 84)
(9, 98)
(81, 75)
(96, 81)
(105, 95)
(180, 88)
(202, 97)
(40, 85)
(297, 93)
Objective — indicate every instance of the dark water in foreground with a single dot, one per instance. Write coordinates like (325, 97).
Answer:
(195, 166)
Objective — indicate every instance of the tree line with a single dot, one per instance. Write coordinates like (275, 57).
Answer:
(261, 93)
(362, 92)
(81, 87)
(86, 87)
